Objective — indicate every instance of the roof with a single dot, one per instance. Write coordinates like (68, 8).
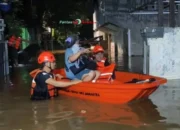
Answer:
(108, 27)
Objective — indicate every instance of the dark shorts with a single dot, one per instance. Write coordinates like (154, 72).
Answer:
(13, 53)
(80, 74)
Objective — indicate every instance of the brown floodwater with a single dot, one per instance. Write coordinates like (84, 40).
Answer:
(17, 112)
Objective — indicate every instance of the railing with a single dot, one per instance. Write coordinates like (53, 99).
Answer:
(4, 61)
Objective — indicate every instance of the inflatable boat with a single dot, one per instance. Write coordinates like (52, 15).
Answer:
(125, 88)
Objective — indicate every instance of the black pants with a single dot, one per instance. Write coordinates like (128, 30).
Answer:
(13, 55)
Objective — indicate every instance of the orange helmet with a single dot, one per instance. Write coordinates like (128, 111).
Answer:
(46, 56)
(97, 49)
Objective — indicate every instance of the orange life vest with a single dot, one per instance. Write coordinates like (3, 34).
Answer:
(17, 43)
(101, 63)
(51, 89)
(14, 42)
(11, 41)
(107, 71)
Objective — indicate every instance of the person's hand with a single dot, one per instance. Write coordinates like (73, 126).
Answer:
(85, 51)
(59, 76)
(76, 81)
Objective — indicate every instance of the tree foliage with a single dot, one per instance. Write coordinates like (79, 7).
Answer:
(49, 13)
(67, 10)
(13, 23)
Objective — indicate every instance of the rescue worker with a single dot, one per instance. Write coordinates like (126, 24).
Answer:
(13, 54)
(101, 60)
(44, 82)
(13, 47)
(75, 67)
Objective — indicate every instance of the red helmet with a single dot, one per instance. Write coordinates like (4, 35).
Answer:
(46, 56)
(97, 49)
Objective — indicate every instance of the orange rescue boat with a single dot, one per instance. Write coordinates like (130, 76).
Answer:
(125, 88)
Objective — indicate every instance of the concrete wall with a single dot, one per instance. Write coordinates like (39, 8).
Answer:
(164, 55)
(108, 13)
(119, 40)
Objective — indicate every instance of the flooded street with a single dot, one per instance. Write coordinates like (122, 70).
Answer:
(18, 112)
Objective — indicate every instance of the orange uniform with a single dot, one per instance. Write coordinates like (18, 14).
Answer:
(11, 40)
(14, 42)
(103, 63)
(17, 43)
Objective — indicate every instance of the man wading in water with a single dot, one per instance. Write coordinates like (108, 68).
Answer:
(44, 82)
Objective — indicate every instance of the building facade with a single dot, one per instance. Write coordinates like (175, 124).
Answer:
(120, 22)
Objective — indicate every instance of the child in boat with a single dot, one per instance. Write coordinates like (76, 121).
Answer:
(101, 60)
(44, 81)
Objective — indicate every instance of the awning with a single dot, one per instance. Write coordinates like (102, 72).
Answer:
(106, 27)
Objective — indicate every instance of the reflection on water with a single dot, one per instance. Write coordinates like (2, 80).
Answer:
(17, 112)
(75, 114)
(72, 113)
(133, 114)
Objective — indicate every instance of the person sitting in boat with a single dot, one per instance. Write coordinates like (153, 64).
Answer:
(101, 60)
(74, 65)
(44, 81)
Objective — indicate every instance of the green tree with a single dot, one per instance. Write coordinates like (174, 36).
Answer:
(70, 10)
(13, 23)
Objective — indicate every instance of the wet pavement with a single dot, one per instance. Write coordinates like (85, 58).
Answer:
(160, 112)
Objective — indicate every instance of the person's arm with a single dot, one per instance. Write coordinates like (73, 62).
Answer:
(74, 57)
(61, 83)
(59, 76)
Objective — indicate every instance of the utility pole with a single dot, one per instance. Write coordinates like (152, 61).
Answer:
(178, 21)
(160, 13)
(172, 14)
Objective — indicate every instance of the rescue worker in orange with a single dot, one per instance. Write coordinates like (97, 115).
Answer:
(13, 47)
(101, 60)
(44, 81)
